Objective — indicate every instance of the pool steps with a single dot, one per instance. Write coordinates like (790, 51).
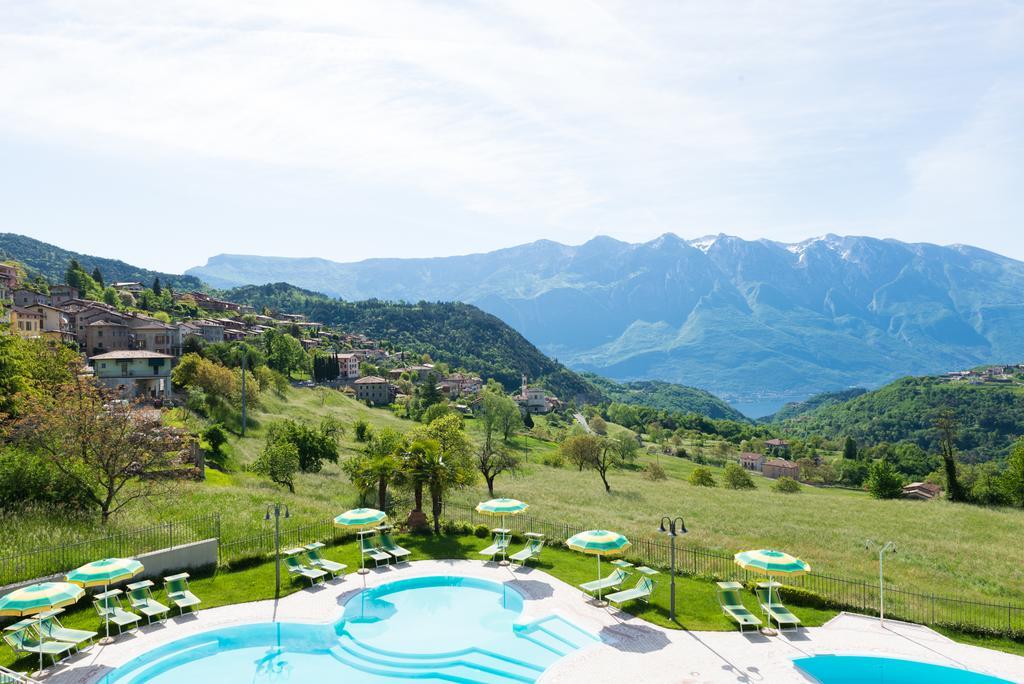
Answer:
(554, 633)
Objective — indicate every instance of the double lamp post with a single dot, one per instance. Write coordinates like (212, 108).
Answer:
(676, 527)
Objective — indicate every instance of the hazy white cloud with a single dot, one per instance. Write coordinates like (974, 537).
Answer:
(496, 123)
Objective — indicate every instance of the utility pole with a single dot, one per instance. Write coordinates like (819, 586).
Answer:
(276, 509)
(244, 357)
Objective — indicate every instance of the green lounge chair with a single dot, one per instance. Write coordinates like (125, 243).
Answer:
(774, 608)
(108, 607)
(179, 592)
(50, 629)
(318, 561)
(612, 581)
(368, 548)
(531, 550)
(498, 548)
(642, 590)
(388, 545)
(297, 568)
(732, 605)
(24, 643)
(140, 597)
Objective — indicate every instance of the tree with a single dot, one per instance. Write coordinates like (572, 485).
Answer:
(737, 477)
(528, 421)
(1013, 478)
(313, 444)
(97, 276)
(278, 461)
(702, 477)
(101, 445)
(362, 430)
(625, 447)
(497, 413)
(883, 481)
(110, 297)
(434, 412)
(284, 353)
(597, 425)
(157, 290)
(946, 426)
(216, 437)
(494, 463)
(581, 450)
(414, 474)
(850, 449)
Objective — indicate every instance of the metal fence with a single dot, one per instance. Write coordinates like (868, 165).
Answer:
(263, 543)
(44, 562)
(851, 594)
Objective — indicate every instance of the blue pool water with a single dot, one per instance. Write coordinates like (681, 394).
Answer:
(431, 629)
(840, 669)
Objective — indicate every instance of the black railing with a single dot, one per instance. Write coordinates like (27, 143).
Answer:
(44, 562)
(843, 593)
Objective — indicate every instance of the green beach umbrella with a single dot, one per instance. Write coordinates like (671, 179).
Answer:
(598, 543)
(358, 519)
(104, 572)
(39, 597)
(502, 507)
(771, 563)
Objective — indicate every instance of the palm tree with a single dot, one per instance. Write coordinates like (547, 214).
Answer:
(414, 474)
(427, 468)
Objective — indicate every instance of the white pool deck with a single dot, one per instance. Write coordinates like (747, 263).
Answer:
(631, 650)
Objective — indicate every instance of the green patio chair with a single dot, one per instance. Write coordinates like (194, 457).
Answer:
(612, 581)
(388, 545)
(641, 591)
(109, 608)
(498, 548)
(180, 593)
(773, 607)
(318, 561)
(24, 643)
(51, 629)
(732, 605)
(367, 547)
(295, 567)
(531, 550)
(140, 597)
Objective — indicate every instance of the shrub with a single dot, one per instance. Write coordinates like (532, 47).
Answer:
(736, 477)
(455, 528)
(702, 477)
(554, 459)
(681, 452)
(216, 437)
(482, 531)
(655, 473)
(279, 461)
(786, 485)
(883, 481)
(362, 430)
(433, 412)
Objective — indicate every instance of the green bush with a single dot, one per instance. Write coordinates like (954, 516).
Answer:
(655, 473)
(786, 485)
(362, 430)
(702, 477)
(554, 459)
(736, 477)
(482, 531)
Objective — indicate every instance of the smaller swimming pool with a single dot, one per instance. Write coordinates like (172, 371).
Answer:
(844, 669)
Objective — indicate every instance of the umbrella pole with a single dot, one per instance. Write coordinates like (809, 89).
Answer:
(599, 577)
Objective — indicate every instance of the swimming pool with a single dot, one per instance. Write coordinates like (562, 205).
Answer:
(432, 629)
(843, 669)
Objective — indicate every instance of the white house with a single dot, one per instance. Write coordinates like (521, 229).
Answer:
(135, 372)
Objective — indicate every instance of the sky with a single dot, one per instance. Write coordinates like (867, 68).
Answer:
(165, 133)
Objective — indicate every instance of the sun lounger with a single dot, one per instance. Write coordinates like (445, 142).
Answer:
(531, 550)
(612, 581)
(179, 592)
(388, 545)
(774, 608)
(50, 628)
(140, 597)
(368, 548)
(108, 607)
(24, 643)
(498, 548)
(318, 561)
(732, 605)
(642, 590)
(295, 567)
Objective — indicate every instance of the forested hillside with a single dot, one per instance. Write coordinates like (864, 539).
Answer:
(665, 395)
(51, 262)
(990, 417)
(455, 333)
(798, 408)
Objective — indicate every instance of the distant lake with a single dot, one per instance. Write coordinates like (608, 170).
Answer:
(758, 408)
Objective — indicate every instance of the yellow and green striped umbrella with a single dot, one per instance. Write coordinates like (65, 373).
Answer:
(359, 518)
(39, 597)
(104, 572)
(769, 562)
(502, 507)
(598, 543)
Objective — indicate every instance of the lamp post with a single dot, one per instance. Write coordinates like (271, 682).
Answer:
(881, 582)
(675, 528)
(276, 509)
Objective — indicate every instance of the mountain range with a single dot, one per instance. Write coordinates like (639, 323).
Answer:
(745, 319)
